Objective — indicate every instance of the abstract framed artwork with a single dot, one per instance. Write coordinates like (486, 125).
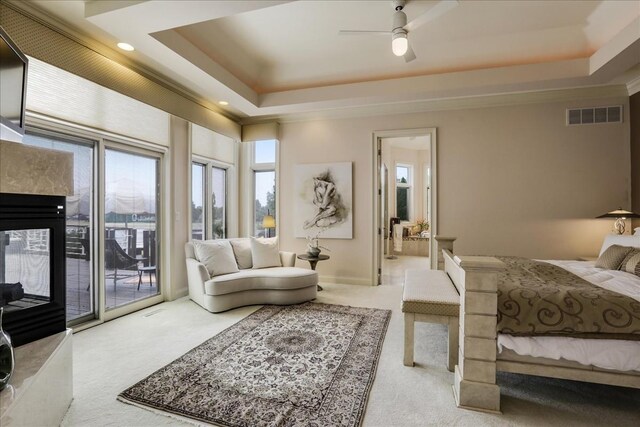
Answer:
(323, 200)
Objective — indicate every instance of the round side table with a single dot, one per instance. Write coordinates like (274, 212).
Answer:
(313, 261)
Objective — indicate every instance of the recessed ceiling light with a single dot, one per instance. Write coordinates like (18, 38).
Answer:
(125, 46)
(223, 103)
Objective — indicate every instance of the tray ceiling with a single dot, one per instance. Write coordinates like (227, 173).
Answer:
(273, 58)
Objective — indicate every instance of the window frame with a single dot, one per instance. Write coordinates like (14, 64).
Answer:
(409, 186)
(208, 192)
(204, 199)
(254, 175)
(225, 220)
(251, 176)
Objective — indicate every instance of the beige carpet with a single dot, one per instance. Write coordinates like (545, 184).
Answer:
(110, 357)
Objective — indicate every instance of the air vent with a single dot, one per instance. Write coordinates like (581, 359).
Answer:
(594, 115)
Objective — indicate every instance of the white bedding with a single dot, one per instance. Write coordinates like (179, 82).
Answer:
(608, 354)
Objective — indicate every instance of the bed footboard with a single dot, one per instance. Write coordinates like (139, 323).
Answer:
(476, 279)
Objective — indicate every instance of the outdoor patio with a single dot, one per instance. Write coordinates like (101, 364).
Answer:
(125, 289)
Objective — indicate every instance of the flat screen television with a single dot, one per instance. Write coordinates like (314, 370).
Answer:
(13, 85)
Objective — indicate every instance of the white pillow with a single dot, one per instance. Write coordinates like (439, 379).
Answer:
(242, 251)
(637, 233)
(265, 252)
(622, 240)
(216, 255)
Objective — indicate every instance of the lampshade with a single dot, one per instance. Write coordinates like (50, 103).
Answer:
(399, 44)
(619, 213)
(268, 221)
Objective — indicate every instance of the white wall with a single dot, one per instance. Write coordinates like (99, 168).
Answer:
(512, 180)
(180, 200)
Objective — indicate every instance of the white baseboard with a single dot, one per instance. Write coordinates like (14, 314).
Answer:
(346, 280)
(179, 294)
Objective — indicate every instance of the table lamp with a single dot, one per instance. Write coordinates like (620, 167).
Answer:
(268, 222)
(620, 215)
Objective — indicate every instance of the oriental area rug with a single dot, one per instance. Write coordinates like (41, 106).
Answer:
(301, 365)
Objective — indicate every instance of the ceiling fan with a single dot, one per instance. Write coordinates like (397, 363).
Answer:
(401, 29)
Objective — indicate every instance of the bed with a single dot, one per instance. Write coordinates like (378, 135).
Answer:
(494, 335)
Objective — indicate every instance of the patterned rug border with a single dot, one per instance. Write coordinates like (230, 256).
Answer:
(169, 412)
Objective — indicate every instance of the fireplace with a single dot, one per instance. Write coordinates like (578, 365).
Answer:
(32, 265)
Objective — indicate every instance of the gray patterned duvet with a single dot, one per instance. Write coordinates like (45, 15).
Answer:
(538, 298)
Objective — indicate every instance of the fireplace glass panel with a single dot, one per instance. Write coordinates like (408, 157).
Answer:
(25, 269)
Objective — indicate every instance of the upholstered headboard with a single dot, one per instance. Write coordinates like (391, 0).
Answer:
(622, 240)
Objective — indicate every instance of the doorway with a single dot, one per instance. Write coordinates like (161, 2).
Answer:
(405, 202)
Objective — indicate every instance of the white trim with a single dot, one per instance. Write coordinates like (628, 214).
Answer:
(346, 280)
(425, 189)
(248, 185)
(633, 86)
(448, 104)
(411, 214)
(196, 160)
(162, 228)
(231, 216)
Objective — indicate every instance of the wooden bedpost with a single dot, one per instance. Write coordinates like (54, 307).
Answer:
(476, 279)
(442, 243)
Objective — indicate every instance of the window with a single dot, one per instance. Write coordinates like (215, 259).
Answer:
(198, 196)
(219, 202)
(80, 292)
(265, 152)
(265, 204)
(208, 189)
(403, 191)
(264, 187)
(402, 174)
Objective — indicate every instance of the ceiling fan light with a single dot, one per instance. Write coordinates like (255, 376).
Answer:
(399, 44)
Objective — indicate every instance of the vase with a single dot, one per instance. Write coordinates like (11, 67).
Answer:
(7, 361)
(313, 252)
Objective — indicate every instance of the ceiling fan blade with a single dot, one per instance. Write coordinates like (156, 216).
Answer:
(410, 55)
(363, 33)
(439, 9)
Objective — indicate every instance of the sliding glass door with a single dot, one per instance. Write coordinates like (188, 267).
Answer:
(131, 218)
(80, 292)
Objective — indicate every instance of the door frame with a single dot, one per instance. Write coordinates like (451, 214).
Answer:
(377, 230)
(162, 267)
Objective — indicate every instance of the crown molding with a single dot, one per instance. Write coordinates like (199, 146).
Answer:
(633, 86)
(461, 103)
